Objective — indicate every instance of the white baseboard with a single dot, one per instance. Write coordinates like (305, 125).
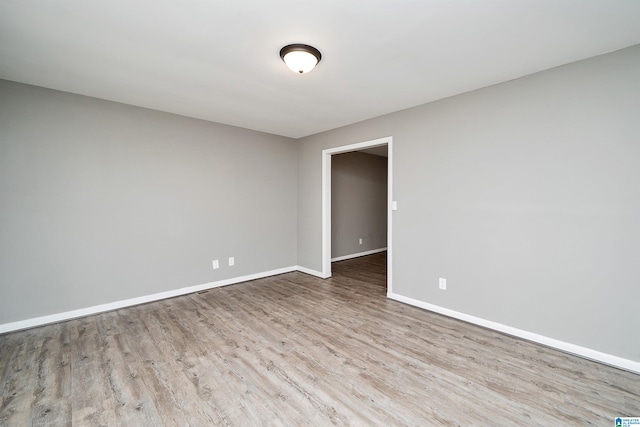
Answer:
(588, 353)
(311, 272)
(577, 350)
(359, 254)
(82, 312)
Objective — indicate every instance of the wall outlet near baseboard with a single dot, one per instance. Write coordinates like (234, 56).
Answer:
(360, 241)
(232, 261)
(442, 283)
(215, 264)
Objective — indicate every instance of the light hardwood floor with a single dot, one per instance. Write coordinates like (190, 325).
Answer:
(296, 350)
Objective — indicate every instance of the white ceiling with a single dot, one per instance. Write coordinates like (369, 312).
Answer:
(218, 59)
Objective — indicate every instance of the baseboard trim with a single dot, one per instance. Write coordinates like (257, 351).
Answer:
(587, 353)
(311, 272)
(88, 311)
(359, 254)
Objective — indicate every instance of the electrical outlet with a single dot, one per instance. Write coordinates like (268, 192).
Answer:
(360, 241)
(232, 261)
(442, 282)
(215, 264)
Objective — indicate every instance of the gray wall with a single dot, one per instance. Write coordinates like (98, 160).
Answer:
(358, 203)
(101, 202)
(524, 195)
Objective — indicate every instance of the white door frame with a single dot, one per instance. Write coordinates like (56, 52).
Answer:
(326, 201)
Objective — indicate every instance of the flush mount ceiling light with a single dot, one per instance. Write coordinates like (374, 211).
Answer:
(300, 58)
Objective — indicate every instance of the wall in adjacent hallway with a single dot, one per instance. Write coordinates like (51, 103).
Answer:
(358, 203)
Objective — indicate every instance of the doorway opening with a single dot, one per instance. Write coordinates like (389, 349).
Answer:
(326, 201)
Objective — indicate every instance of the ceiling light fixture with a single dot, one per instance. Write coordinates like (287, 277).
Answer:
(300, 58)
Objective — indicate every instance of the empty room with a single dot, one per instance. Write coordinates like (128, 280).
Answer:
(389, 213)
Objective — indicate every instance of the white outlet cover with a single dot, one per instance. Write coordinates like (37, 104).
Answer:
(442, 282)
(216, 264)
(232, 261)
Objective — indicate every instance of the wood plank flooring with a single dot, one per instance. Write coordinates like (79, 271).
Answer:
(295, 350)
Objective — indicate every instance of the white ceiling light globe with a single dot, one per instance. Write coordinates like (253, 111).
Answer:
(300, 62)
